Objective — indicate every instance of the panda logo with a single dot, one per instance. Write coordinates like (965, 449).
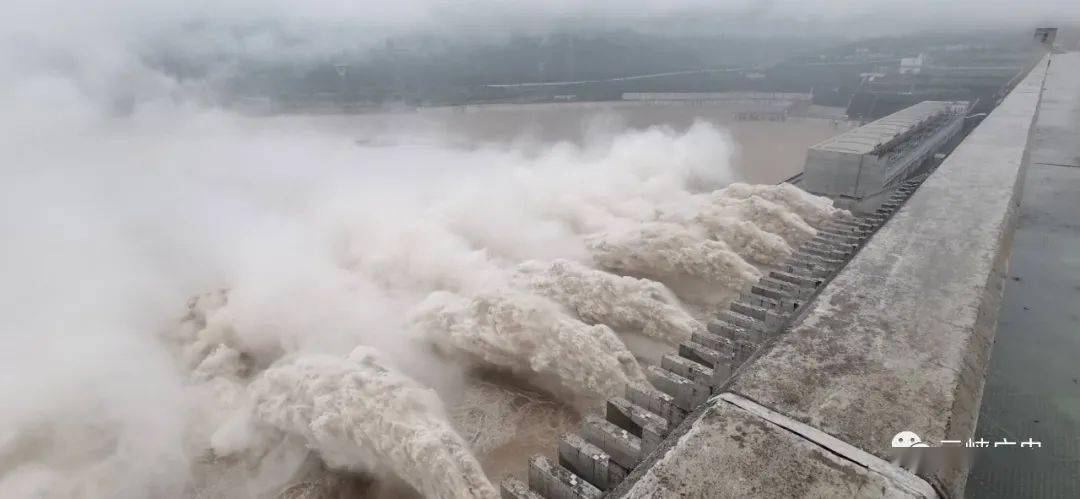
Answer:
(907, 439)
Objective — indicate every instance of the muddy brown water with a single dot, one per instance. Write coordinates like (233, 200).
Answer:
(766, 152)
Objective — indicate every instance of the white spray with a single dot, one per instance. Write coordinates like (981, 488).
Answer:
(359, 414)
(814, 210)
(623, 303)
(531, 336)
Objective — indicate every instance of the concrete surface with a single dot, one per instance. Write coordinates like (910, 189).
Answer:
(859, 168)
(899, 340)
(729, 449)
(1033, 390)
(891, 129)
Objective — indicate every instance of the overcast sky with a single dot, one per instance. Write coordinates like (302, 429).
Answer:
(98, 41)
(57, 16)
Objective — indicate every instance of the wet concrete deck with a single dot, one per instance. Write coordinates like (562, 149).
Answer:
(1033, 390)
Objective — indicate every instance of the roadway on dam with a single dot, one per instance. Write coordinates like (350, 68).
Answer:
(1033, 389)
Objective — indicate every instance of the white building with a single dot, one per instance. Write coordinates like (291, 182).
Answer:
(859, 167)
(912, 65)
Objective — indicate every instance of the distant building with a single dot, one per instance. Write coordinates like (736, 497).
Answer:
(871, 76)
(858, 168)
(745, 106)
(1046, 36)
(764, 114)
(718, 97)
(912, 65)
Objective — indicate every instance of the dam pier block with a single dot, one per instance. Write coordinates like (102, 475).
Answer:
(635, 428)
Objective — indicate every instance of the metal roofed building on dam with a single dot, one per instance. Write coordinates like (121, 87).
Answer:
(859, 167)
(881, 326)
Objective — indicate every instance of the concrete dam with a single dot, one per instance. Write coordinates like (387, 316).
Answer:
(880, 326)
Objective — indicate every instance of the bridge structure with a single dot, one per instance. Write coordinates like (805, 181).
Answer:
(883, 323)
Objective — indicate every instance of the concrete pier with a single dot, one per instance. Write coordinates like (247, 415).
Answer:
(623, 447)
(589, 462)
(649, 427)
(556, 482)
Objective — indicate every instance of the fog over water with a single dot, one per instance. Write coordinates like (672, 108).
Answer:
(449, 257)
(760, 151)
(198, 303)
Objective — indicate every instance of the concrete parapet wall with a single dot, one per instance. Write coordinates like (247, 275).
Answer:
(774, 460)
(898, 340)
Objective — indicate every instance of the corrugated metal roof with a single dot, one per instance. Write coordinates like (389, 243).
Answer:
(871, 136)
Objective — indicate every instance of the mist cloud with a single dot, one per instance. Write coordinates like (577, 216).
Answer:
(105, 46)
(115, 214)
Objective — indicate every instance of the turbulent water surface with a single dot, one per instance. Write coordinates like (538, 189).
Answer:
(410, 313)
